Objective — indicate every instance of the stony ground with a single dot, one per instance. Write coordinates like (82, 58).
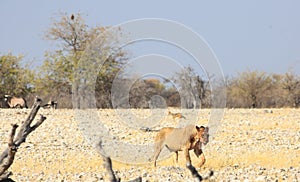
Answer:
(250, 145)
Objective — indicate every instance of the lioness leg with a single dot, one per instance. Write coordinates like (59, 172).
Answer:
(199, 153)
(176, 156)
(187, 157)
(158, 148)
(202, 159)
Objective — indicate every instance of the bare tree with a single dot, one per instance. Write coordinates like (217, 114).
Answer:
(69, 71)
(138, 94)
(276, 96)
(192, 88)
(249, 87)
(71, 33)
(291, 83)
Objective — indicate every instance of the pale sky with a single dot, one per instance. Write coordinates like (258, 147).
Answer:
(255, 35)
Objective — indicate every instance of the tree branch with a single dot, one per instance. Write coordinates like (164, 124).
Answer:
(107, 164)
(7, 157)
(12, 149)
(197, 176)
(26, 129)
(194, 172)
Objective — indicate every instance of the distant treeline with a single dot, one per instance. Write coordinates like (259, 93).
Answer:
(56, 77)
(249, 89)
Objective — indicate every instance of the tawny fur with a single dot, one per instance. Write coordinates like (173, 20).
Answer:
(14, 102)
(181, 139)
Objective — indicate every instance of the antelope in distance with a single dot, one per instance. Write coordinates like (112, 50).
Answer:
(15, 102)
(176, 115)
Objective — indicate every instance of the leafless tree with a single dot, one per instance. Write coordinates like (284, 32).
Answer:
(73, 71)
(248, 88)
(291, 83)
(192, 88)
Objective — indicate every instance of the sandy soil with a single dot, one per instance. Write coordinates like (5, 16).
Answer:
(250, 145)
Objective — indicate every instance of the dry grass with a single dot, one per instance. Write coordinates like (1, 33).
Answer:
(256, 137)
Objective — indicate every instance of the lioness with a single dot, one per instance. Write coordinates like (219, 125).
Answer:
(176, 115)
(182, 139)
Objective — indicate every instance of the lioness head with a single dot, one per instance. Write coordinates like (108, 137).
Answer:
(202, 134)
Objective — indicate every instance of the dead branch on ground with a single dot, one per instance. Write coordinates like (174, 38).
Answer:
(11, 155)
(7, 157)
(197, 176)
(108, 166)
(112, 178)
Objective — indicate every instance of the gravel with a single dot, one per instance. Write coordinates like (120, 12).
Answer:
(250, 145)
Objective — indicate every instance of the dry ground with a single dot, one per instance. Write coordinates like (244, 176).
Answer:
(251, 144)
